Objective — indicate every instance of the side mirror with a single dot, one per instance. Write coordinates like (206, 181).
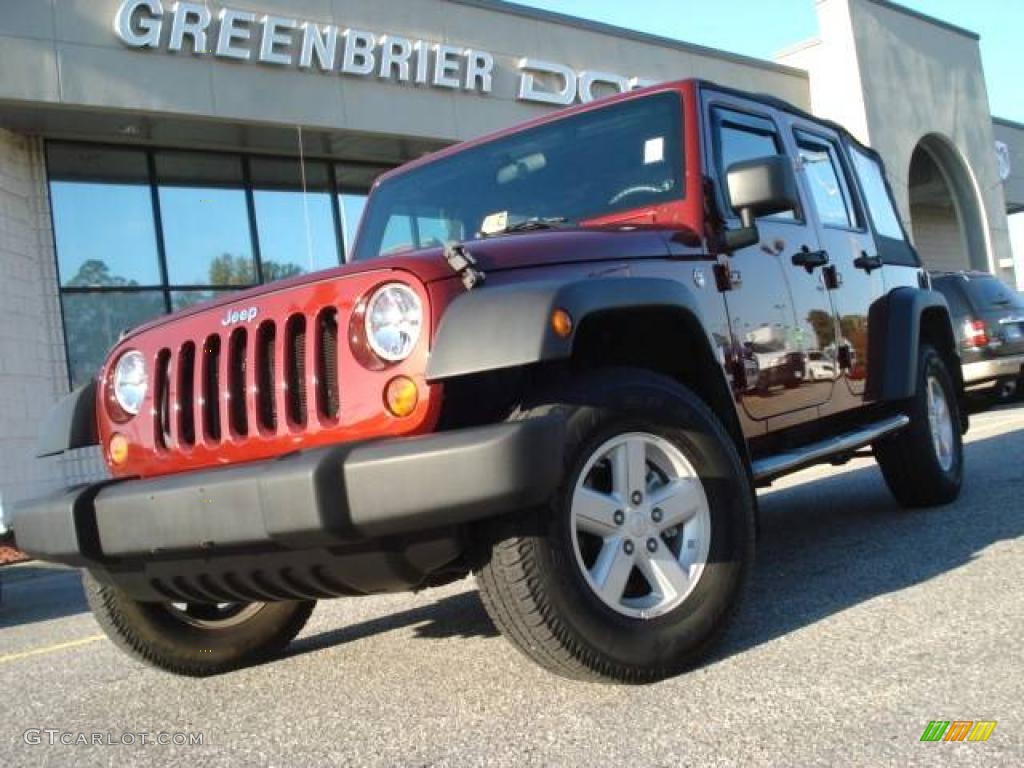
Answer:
(759, 187)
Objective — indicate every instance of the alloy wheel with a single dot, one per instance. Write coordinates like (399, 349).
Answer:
(641, 525)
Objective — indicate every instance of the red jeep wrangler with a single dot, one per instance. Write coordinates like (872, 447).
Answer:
(562, 359)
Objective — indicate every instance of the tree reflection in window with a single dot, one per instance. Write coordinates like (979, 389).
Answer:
(140, 232)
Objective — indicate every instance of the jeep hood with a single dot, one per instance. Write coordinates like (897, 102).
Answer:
(497, 254)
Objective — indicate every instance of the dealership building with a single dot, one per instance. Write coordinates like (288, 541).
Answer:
(154, 154)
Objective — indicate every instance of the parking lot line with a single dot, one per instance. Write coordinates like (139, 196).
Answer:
(50, 648)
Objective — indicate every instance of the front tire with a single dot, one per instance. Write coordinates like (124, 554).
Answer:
(923, 465)
(620, 579)
(194, 640)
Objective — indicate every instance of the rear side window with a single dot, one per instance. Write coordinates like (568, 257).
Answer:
(738, 137)
(876, 196)
(952, 289)
(993, 293)
(827, 181)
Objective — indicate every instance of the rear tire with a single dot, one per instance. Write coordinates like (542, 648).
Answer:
(923, 464)
(201, 641)
(543, 580)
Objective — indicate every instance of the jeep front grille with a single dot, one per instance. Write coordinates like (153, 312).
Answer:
(229, 386)
(264, 375)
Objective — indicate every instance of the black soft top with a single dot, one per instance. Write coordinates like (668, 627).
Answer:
(891, 251)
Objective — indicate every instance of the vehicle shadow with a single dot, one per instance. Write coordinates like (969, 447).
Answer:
(457, 616)
(825, 546)
(836, 542)
(31, 593)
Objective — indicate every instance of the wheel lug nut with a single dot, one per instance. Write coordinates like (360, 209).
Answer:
(652, 545)
(628, 547)
(657, 515)
(620, 518)
(638, 498)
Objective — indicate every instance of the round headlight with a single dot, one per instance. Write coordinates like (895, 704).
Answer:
(130, 382)
(394, 319)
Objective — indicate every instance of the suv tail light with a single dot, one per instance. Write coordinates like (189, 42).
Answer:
(975, 334)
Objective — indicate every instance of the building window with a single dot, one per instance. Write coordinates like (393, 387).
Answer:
(140, 233)
(94, 320)
(103, 218)
(354, 183)
(297, 230)
(205, 219)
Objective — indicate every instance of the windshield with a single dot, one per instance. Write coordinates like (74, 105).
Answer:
(618, 158)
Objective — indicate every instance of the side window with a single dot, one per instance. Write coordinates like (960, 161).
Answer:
(876, 196)
(950, 287)
(827, 181)
(739, 137)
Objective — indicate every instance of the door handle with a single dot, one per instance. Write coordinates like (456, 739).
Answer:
(810, 260)
(867, 263)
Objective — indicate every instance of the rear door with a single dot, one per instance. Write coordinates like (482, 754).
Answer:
(853, 275)
(780, 315)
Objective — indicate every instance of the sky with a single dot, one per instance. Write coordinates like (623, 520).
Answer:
(762, 28)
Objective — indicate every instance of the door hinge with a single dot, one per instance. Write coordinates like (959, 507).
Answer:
(727, 279)
(464, 265)
(833, 280)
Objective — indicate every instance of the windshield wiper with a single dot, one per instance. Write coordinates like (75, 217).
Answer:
(532, 225)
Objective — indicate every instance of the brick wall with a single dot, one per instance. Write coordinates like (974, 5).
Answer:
(33, 371)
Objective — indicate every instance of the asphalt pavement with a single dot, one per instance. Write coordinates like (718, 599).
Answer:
(863, 623)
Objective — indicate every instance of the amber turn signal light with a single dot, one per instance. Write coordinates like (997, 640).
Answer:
(561, 323)
(118, 448)
(401, 396)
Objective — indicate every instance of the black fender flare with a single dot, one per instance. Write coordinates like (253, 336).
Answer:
(894, 323)
(70, 424)
(505, 326)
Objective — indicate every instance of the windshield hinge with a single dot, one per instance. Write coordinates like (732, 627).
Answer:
(464, 265)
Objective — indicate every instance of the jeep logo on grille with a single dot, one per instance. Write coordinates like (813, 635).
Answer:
(235, 316)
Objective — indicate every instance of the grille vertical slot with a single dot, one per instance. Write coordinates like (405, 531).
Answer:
(327, 363)
(238, 413)
(265, 376)
(162, 398)
(186, 394)
(211, 388)
(295, 369)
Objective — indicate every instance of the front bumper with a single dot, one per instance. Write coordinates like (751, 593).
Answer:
(275, 515)
(993, 370)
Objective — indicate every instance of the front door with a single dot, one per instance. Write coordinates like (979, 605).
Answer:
(780, 314)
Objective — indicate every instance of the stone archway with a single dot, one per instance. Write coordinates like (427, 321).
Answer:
(946, 214)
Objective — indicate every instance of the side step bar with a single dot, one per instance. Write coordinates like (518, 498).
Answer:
(771, 467)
